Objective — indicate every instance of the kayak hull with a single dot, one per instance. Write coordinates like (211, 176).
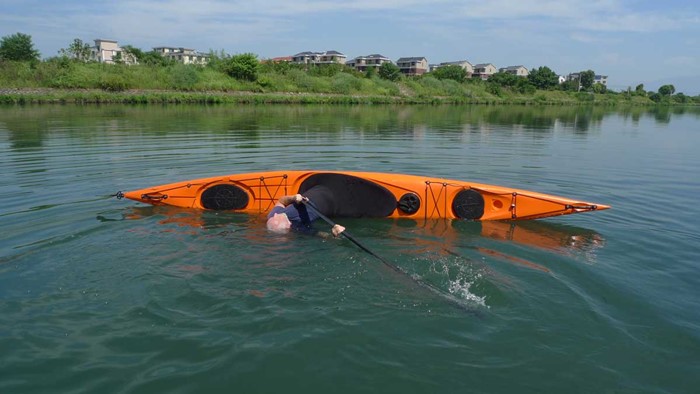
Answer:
(364, 194)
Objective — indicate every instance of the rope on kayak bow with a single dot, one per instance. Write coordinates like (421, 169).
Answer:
(430, 191)
(436, 197)
(565, 207)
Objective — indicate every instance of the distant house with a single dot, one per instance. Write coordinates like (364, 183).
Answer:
(108, 51)
(330, 57)
(306, 58)
(519, 71)
(468, 67)
(362, 63)
(562, 79)
(327, 57)
(600, 79)
(484, 70)
(413, 65)
(183, 55)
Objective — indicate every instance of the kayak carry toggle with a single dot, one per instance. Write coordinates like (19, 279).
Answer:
(581, 208)
(154, 197)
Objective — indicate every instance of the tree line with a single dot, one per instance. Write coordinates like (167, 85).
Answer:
(247, 67)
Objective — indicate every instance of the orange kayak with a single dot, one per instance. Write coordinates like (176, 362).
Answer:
(364, 194)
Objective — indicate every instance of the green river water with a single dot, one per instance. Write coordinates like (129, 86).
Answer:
(99, 295)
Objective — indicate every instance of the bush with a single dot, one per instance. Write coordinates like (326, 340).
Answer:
(68, 75)
(184, 77)
(386, 88)
(113, 83)
(503, 79)
(452, 87)
(389, 71)
(306, 83)
(282, 67)
(585, 96)
(599, 88)
(13, 72)
(494, 89)
(243, 67)
(524, 86)
(345, 84)
(681, 98)
(453, 72)
(325, 70)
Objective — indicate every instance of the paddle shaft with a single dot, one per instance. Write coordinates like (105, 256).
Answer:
(347, 235)
(454, 301)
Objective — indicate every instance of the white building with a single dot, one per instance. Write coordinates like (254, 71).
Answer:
(468, 67)
(183, 55)
(599, 79)
(413, 66)
(362, 63)
(519, 71)
(108, 51)
(484, 70)
(327, 57)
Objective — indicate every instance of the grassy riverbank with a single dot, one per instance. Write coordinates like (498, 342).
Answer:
(138, 96)
(61, 80)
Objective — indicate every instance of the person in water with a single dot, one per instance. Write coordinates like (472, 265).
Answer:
(291, 213)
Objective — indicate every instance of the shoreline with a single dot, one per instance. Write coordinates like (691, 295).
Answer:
(22, 96)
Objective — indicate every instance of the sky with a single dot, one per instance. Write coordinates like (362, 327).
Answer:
(630, 41)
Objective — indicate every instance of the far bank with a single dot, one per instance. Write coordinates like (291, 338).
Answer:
(156, 96)
(61, 80)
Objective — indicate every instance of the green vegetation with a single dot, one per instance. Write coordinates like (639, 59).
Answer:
(242, 78)
(455, 73)
(18, 47)
(390, 72)
(243, 67)
(543, 78)
(77, 50)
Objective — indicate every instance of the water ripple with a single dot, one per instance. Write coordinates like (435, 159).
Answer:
(100, 295)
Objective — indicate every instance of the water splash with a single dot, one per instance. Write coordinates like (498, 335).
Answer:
(457, 275)
(461, 288)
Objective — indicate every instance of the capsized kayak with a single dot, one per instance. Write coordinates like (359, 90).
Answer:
(364, 194)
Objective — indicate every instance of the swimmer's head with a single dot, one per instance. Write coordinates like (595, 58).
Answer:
(279, 223)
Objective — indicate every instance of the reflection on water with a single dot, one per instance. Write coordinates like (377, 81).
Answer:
(555, 237)
(216, 301)
(448, 255)
(181, 217)
(428, 236)
(29, 126)
(545, 235)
